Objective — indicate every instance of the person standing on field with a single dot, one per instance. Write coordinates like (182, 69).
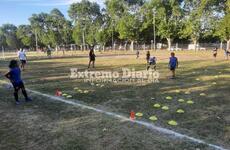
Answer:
(173, 64)
(215, 53)
(22, 57)
(92, 57)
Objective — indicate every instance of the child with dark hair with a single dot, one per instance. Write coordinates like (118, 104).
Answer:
(215, 53)
(14, 75)
(148, 56)
(22, 57)
(137, 54)
(173, 64)
(92, 57)
(152, 63)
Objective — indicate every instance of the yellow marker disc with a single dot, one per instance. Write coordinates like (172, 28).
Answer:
(190, 102)
(86, 91)
(64, 94)
(172, 123)
(197, 79)
(157, 105)
(69, 96)
(169, 98)
(216, 76)
(181, 100)
(153, 118)
(139, 114)
(180, 111)
(187, 92)
(76, 88)
(177, 91)
(202, 94)
(165, 108)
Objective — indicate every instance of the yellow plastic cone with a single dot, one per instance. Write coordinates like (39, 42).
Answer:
(172, 123)
(153, 118)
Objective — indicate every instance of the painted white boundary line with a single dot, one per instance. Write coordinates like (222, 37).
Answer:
(143, 123)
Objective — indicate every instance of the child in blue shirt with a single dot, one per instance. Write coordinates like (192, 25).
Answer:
(173, 64)
(14, 75)
(152, 63)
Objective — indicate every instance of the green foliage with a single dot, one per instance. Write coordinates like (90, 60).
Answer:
(127, 20)
(87, 18)
(8, 36)
(25, 35)
(128, 27)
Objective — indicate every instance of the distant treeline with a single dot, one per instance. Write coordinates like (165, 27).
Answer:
(123, 21)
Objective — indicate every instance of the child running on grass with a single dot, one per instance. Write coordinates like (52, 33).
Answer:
(22, 57)
(137, 54)
(152, 63)
(173, 64)
(215, 53)
(147, 57)
(14, 75)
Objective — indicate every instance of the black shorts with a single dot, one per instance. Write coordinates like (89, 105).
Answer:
(172, 68)
(23, 62)
(18, 85)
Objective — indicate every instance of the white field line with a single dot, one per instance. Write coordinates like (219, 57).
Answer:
(143, 123)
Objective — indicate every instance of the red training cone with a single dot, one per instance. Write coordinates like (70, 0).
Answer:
(58, 93)
(132, 115)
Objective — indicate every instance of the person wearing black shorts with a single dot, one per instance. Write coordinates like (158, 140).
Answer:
(14, 75)
(215, 53)
(92, 58)
(22, 57)
(173, 64)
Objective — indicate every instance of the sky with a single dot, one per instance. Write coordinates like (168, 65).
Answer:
(17, 12)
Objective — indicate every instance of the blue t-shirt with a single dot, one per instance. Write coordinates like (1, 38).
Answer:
(173, 62)
(15, 75)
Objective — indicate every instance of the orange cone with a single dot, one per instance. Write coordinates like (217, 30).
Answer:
(58, 93)
(132, 115)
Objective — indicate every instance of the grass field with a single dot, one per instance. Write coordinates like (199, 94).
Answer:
(43, 124)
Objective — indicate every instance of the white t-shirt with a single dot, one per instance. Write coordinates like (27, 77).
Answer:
(22, 55)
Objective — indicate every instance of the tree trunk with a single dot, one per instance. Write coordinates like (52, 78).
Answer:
(195, 44)
(103, 47)
(169, 43)
(132, 46)
(228, 44)
(221, 45)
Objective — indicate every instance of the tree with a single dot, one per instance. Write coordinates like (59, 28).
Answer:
(52, 29)
(26, 36)
(86, 16)
(167, 15)
(128, 28)
(9, 37)
(196, 18)
(222, 28)
(2, 39)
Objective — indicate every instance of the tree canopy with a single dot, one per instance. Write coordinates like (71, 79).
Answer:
(123, 21)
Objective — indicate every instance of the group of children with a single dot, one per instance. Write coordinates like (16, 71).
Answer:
(14, 74)
(173, 63)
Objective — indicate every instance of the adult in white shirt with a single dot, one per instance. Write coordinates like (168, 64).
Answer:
(22, 57)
